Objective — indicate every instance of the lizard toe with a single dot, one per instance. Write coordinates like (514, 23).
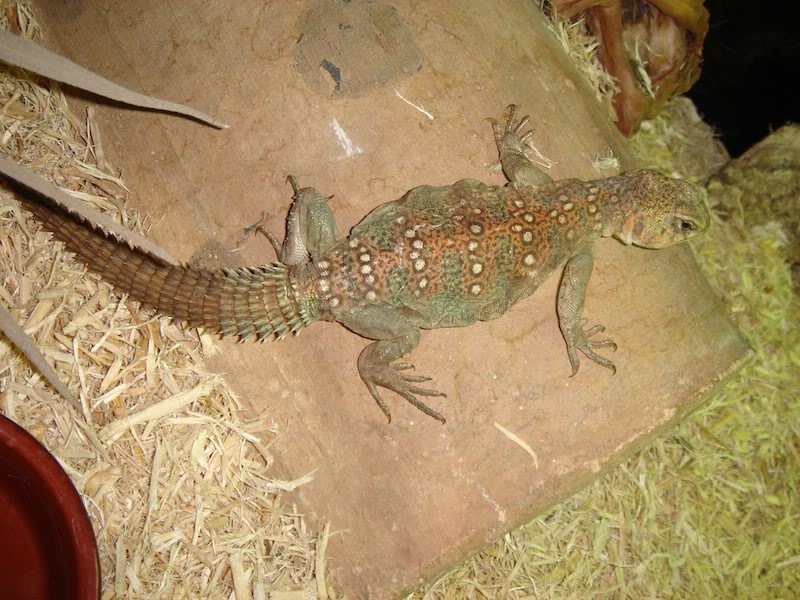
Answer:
(511, 135)
(512, 114)
(600, 360)
(594, 330)
(420, 405)
(373, 390)
(574, 360)
(410, 392)
(391, 378)
(293, 182)
(582, 342)
(604, 344)
(403, 366)
(416, 378)
(520, 126)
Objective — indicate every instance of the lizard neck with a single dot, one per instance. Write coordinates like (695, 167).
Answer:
(582, 211)
(615, 203)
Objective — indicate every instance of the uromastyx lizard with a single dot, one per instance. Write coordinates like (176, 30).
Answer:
(438, 257)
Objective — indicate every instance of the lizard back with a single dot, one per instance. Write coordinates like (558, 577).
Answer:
(450, 256)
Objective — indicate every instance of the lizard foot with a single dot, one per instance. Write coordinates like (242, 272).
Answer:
(260, 227)
(392, 378)
(511, 137)
(580, 340)
(256, 227)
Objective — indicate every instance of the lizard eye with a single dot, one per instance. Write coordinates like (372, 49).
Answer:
(684, 225)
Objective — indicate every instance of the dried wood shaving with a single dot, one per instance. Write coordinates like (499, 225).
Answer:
(519, 442)
(175, 481)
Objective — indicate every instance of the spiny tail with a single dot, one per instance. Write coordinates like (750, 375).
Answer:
(248, 303)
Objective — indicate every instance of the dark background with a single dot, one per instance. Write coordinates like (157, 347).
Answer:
(750, 70)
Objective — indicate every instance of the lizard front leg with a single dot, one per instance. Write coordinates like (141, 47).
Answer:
(571, 297)
(512, 144)
(310, 227)
(396, 336)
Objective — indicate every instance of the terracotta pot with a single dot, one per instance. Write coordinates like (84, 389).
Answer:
(47, 545)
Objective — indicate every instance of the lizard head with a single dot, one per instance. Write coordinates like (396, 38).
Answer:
(660, 211)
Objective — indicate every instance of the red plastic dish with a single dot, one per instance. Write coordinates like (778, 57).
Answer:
(47, 546)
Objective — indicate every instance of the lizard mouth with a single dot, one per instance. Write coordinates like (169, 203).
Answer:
(625, 236)
(630, 228)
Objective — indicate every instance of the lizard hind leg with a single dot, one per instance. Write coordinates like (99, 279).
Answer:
(395, 337)
(310, 227)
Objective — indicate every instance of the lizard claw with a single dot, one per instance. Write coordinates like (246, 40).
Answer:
(416, 378)
(293, 181)
(390, 377)
(403, 366)
(580, 341)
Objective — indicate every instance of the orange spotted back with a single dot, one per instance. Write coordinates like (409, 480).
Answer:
(454, 255)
